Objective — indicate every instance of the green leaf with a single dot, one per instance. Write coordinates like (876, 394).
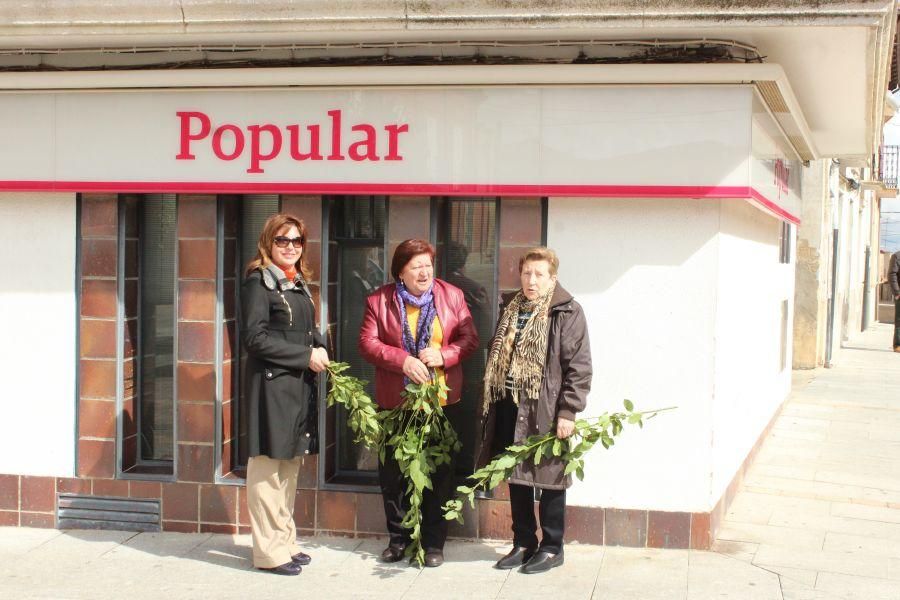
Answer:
(628, 405)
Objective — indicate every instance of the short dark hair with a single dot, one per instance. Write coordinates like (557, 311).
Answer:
(405, 253)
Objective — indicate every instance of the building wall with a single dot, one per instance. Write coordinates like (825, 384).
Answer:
(38, 324)
(642, 270)
(752, 378)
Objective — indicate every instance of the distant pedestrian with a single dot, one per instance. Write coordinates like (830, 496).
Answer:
(538, 377)
(894, 280)
(285, 352)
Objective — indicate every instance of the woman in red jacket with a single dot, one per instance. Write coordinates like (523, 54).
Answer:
(415, 329)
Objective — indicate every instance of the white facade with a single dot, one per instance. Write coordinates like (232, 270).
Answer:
(683, 300)
(38, 325)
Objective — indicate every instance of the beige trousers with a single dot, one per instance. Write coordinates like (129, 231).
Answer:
(271, 489)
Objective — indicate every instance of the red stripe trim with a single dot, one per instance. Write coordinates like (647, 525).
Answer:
(430, 189)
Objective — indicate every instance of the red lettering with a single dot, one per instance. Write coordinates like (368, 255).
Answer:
(394, 132)
(294, 137)
(255, 155)
(368, 144)
(238, 142)
(187, 136)
(335, 135)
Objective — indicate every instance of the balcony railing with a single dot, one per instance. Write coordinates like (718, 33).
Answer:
(888, 162)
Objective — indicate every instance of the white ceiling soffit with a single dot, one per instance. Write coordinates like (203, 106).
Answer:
(769, 79)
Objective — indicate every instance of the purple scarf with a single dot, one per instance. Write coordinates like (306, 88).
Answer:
(425, 303)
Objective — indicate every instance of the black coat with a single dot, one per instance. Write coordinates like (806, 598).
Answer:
(278, 333)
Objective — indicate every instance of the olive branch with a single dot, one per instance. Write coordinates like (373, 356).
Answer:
(417, 434)
(536, 448)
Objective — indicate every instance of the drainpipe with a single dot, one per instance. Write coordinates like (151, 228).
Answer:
(865, 306)
(835, 238)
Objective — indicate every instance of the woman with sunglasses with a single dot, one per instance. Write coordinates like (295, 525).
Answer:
(285, 352)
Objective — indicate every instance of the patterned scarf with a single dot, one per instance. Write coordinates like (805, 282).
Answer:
(523, 362)
(427, 313)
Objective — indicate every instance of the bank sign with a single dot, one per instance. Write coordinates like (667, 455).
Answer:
(593, 141)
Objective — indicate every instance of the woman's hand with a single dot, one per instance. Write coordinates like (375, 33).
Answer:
(318, 360)
(431, 357)
(415, 369)
(564, 428)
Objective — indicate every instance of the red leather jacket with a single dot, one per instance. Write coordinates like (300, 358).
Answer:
(380, 340)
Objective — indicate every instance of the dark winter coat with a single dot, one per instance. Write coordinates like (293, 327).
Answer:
(564, 392)
(278, 331)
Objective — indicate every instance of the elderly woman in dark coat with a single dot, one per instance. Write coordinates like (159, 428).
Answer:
(284, 354)
(537, 378)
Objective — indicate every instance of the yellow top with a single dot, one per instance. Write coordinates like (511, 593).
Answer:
(437, 338)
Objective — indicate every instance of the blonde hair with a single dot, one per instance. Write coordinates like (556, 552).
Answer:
(540, 253)
(273, 225)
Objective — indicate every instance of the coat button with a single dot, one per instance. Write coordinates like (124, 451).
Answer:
(307, 435)
(306, 452)
(268, 374)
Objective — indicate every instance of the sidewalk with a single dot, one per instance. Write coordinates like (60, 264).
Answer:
(818, 518)
(821, 504)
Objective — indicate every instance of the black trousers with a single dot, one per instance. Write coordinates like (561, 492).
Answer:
(897, 323)
(393, 493)
(552, 505)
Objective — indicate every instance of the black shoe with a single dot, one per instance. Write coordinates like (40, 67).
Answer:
(434, 558)
(301, 558)
(393, 553)
(290, 568)
(517, 557)
(542, 561)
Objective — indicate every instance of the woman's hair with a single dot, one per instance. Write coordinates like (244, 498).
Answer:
(405, 253)
(540, 253)
(273, 225)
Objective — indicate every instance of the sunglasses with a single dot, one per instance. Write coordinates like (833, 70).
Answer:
(282, 241)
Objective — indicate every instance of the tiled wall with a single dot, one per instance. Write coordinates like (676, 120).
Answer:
(195, 503)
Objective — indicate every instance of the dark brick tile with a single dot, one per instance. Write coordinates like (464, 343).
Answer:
(701, 537)
(131, 299)
(38, 494)
(96, 458)
(668, 529)
(243, 511)
(308, 477)
(196, 216)
(584, 524)
(98, 379)
(370, 513)
(195, 422)
(229, 340)
(246, 530)
(99, 215)
(197, 259)
(180, 526)
(520, 221)
(98, 338)
(218, 528)
(196, 342)
(145, 489)
(99, 298)
(196, 300)
(305, 509)
(196, 382)
(195, 463)
(494, 520)
(116, 488)
(625, 527)
(40, 520)
(66, 485)
(98, 257)
(179, 502)
(309, 210)
(468, 529)
(97, 418)
(9, 492)
(218, 504)
(227, 380)
(9, 518)
(336, 511)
